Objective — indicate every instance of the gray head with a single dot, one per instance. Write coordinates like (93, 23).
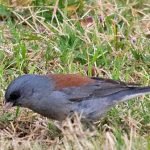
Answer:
(27, 88)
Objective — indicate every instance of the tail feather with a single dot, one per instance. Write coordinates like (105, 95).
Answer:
(129, 93)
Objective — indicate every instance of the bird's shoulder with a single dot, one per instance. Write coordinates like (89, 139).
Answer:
(70, 80)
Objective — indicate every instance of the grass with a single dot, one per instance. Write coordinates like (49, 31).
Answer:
(101, 38)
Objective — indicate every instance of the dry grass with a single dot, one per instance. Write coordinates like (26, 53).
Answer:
(107, 39)
(38, 133)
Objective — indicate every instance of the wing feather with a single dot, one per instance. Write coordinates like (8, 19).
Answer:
(100, 88)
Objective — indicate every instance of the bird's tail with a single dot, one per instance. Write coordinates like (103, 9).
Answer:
(129, 93)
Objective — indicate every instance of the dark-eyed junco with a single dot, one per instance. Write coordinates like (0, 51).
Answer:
(57, 96)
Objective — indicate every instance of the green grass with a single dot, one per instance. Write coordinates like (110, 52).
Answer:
(49, 37)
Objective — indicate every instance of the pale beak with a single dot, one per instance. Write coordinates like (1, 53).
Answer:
(7, 105)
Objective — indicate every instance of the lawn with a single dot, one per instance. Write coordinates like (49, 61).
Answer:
(109, 38)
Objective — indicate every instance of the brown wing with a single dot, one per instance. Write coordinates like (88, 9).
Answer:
(79, 88)
(70, 80)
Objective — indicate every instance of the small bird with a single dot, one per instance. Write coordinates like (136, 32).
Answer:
(58, 96)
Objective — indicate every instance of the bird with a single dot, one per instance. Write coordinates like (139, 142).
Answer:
(58, 96)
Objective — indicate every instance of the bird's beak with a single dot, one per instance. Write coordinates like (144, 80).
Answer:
(7, 105)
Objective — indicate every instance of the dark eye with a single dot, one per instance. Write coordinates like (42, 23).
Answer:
(15, 95)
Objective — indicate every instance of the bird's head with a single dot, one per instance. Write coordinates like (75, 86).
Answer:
(26, 90)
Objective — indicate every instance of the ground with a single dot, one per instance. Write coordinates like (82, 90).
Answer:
(107, 38)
